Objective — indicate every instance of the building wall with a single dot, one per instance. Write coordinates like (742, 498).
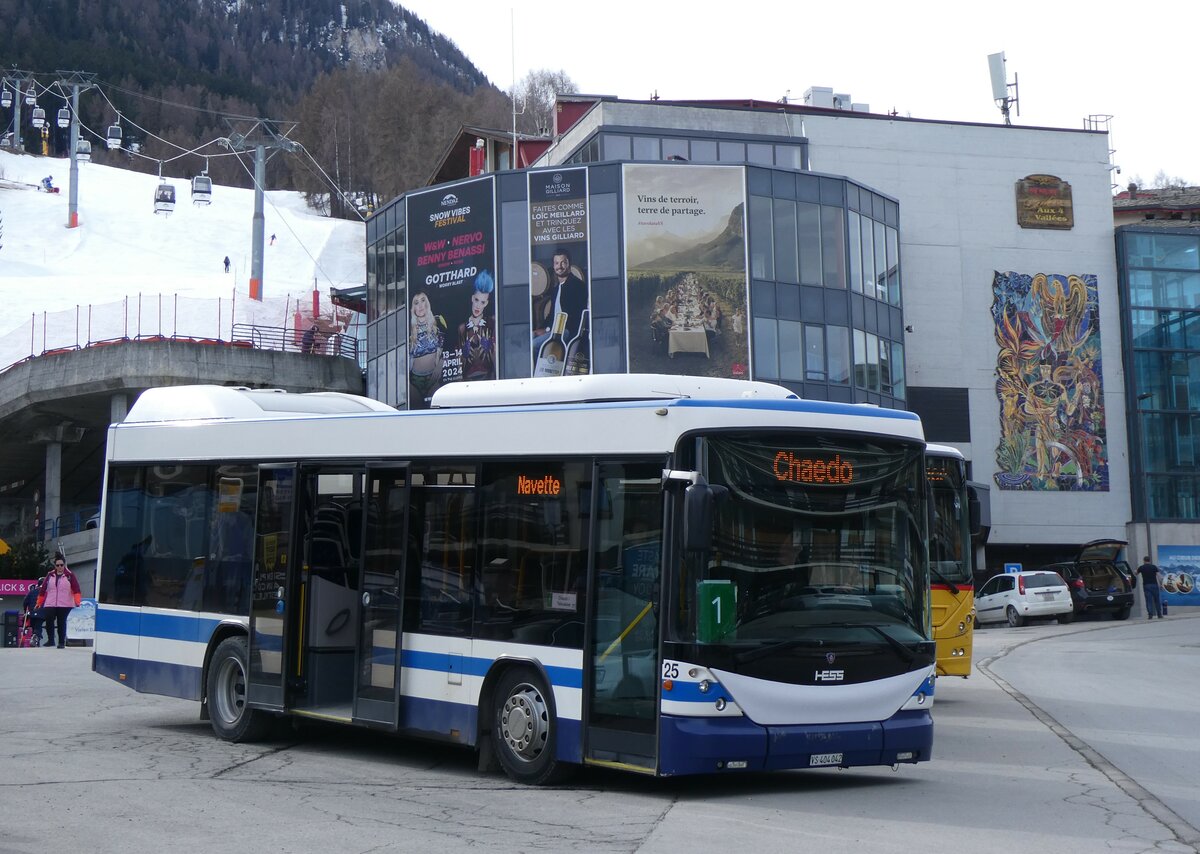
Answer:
(956, 186)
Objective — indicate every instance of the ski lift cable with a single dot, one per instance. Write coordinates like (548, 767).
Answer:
(327, 178)
(165, 102)
(287, 225)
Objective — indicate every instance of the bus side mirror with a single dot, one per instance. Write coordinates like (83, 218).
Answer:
(974, 513)
(698, 502)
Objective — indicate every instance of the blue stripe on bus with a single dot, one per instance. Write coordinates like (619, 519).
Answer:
(196, 629)
(443, 662)
(184, 627)
(815, 406)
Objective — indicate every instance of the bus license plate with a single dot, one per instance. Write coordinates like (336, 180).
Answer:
(824, 759)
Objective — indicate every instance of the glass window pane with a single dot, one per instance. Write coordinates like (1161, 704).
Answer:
(853, 229)
(766, 349)
(791, 358)
(757, 152)
(860, 358)
(814, 353)
(899, 386)
(833, 247)
(893, 266)
(880, 263)
(885, 367)
(789, 156)
(1164, 251)
(837, 343)
(704, 151)
(731, 152)
(868, 257)
(872, 362)
(762, 262)
(646, 147)
(617, 147)
(674, 148)
(786, 268)
(808, 228)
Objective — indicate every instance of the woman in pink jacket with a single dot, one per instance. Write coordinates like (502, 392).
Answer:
(59, 595)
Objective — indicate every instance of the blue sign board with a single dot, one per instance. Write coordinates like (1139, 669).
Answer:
(1012, 567)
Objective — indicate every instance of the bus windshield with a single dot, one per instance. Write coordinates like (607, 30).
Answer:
(813, 534)
(950, 535)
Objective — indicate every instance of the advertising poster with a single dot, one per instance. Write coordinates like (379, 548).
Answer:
(452, 288)
(685, 263)
(558, 272)
(1180, 567)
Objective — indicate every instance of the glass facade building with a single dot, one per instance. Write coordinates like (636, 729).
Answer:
(1160, 292)
(819, 254)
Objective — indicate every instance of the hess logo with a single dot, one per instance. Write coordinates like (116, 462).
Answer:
(829, 676)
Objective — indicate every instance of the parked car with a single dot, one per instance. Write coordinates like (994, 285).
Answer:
(1100, 581)
(1020, 596)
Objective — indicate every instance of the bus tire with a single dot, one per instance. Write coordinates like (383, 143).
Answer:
(524, 729)
(231, 719)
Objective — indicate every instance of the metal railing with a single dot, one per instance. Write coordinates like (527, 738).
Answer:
(288, 340)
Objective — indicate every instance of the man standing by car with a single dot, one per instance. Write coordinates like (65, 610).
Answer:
(1150, 573)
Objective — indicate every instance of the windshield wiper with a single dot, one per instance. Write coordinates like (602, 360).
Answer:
(906, 653)
(953, 587)
(761, 651)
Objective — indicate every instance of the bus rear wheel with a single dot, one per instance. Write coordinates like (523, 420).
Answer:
(524, 729)
(231, 718)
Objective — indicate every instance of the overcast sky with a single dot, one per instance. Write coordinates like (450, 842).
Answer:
(926, 59)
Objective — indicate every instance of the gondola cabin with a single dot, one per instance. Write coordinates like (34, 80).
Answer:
(64, 118)
(201, 190)
(83, 151)
(38, 119)
(164, 198)
(114, 137)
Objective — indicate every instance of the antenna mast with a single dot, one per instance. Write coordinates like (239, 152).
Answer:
(1001, 87)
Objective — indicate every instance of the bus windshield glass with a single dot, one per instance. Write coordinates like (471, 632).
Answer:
(814, 534)
(950, 534)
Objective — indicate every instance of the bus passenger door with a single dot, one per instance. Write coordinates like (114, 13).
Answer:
(269, 586)
(623, 682)
(386, 542)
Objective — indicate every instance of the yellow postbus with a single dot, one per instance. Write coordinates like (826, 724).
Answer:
(956, 514)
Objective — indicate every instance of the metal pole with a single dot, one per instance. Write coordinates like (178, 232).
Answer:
(256, 241)
(73, 198)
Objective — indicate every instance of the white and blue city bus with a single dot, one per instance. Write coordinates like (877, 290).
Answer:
(663, 574)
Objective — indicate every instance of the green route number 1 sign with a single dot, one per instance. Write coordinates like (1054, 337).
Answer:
(717, 609)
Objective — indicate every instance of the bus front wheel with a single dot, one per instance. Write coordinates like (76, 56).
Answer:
(231, 718)
(524, 729)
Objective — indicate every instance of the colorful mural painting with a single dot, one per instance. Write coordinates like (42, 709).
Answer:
(1048, 381)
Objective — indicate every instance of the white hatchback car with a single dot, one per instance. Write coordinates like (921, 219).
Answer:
(1021, 596)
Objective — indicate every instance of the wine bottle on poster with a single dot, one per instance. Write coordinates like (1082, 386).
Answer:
(553, 354)
(579, 351)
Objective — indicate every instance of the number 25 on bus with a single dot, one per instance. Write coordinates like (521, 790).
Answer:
(662, 574)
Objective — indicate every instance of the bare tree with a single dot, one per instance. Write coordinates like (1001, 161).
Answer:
(1163, 181)
(536, 94)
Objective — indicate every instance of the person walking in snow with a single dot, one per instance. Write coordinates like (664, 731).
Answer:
(272, 239)
(226, 263)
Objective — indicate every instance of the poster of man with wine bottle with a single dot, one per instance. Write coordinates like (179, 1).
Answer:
(685, 264)
(560, 298)
(452, 288)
